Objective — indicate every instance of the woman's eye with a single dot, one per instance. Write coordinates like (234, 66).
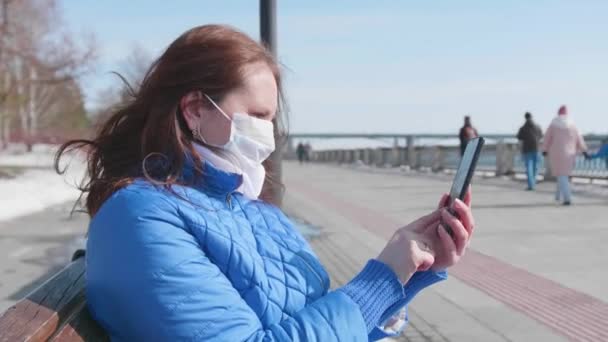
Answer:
(260, 116)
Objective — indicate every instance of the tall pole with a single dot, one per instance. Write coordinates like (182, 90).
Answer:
(268, 25)
(268, 32)
(4, 83)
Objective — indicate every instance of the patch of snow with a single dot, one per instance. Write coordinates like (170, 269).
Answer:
(40, 187)
(16, 156)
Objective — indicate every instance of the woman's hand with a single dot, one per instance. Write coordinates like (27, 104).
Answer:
(448, 250)
(409, 250)
(425, 243)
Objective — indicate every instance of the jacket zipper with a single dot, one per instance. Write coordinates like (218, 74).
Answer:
(229, 200)
(313, 271)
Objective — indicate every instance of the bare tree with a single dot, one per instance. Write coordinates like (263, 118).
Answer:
(135, 65)
(131, 73)
(37, 53)
(6, 77)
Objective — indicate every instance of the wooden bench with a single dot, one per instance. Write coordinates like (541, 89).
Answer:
(56, 311)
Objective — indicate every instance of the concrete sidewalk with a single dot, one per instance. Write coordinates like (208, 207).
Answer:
(535, 270)
(35, 247)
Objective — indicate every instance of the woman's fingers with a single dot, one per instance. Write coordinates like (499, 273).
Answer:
(444, 202)
(448, 244)
(464, 213)
(432, 226)
(461, 235)
(420, 224)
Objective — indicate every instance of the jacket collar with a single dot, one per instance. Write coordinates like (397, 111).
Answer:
(211, 179)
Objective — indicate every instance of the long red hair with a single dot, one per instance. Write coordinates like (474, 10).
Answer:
(150, 125)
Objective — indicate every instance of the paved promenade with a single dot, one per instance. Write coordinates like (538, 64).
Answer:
(36, 246)
(536, 271)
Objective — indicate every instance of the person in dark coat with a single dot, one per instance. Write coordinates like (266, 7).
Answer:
(301, 152)
(467, 132)
(530, 134)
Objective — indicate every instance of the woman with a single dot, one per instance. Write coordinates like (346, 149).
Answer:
(181, 247)
(563, 143)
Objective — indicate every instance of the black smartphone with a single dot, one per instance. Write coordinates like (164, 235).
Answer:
(466, 169)
(465, 172)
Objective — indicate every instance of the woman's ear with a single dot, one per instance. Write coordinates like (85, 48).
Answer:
(211, 126)
(191, 106)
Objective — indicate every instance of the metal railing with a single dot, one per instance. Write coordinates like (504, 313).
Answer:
(437, 152)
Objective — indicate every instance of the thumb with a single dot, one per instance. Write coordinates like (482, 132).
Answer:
(424, 255)
(426, 261)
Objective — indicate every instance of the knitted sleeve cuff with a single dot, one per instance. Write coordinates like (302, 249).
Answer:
(375, 289)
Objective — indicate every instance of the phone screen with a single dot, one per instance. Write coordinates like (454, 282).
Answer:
(466, 169)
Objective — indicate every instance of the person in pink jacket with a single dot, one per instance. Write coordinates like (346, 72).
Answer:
(562, 143)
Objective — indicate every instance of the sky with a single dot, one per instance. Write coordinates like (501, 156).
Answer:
(402, 66)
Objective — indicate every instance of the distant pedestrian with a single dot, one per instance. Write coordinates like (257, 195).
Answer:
(562, 143)
(601, 153)
(530, 134)
(308, 151)
(301, 152)
(467, 132)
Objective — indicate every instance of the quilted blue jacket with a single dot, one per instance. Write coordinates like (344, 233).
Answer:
(204, 263)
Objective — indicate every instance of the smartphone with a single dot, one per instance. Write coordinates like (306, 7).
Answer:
(466, 169)
(464, 174)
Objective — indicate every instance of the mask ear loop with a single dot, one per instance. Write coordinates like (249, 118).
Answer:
(218, 107)
(196, 131)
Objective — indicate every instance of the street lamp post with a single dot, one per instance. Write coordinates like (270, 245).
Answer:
(268, 25)
(268, 32)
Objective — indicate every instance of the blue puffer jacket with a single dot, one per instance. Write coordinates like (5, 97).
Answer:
(204, 263)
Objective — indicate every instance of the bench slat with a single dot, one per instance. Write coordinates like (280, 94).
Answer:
(42, 312)
(81, 328)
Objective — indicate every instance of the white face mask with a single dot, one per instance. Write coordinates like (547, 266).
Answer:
(250, 137)
(251, 142)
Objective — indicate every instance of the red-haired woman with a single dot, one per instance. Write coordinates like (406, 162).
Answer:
(182, 244)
